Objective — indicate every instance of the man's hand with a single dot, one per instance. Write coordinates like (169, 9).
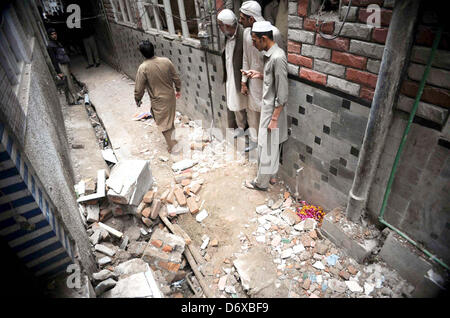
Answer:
(138, 103)
(273, 124)
(244, 88)
(60, 75)
(254, 74)
(177, 95)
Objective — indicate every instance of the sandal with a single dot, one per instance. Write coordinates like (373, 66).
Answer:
(252, 185)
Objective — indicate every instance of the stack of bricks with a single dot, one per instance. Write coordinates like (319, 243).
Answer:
(348, 63)
(164, 253)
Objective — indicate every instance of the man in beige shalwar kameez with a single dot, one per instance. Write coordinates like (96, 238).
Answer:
(158, 76)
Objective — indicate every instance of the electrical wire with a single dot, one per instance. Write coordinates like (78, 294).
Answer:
(342, 25)
(76, 20)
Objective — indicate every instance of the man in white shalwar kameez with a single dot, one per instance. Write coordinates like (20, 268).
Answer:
(232, 61)
(253, 59)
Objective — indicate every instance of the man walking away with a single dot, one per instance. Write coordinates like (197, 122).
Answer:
(60, 61)
(90, 45)
(232, 63)
(158, 76)
(273, 123)
(253, 59)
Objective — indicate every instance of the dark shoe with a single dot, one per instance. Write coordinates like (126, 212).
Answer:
(89, 66)
(97, 65)
(252, 145)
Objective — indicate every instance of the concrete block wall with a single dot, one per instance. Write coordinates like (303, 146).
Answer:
(419, 203)
(327, 131)
(34, 121)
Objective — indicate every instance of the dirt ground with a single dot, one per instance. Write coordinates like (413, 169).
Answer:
(232, 219)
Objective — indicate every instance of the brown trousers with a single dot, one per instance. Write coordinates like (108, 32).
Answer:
(168, 136)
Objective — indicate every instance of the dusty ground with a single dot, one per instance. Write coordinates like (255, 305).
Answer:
(232, 218)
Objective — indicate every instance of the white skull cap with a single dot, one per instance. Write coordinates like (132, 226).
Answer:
(227, 17)
(253, 9)
(262, 26)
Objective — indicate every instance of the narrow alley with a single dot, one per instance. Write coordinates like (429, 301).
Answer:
(93, 205)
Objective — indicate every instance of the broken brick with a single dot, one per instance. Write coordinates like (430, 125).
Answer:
(195, 188)
(344, 275)
(181, 199)
(147, 221)
(170, 197)
(149, 196)
(146, 212)
(105, 214)
(164, 195)
(157, 243)
(167, 248)
(193, 206)
(352, 270)
(214, 242)
(118, 211)
(185, 182)
(185, 175)
(155, 209)
(313, 234)
(169, 266)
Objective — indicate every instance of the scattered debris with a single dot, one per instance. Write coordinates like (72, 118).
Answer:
(201, 215)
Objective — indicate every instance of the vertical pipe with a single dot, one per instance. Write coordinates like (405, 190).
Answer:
(184, 25)
(396, 53)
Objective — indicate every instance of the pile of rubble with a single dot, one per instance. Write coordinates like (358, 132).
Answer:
(308, 262)
(142, 252)
(127, 220)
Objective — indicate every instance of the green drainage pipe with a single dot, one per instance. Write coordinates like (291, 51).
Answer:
(399, 152)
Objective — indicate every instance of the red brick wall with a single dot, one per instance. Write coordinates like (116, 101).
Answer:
(359, 78)
(437, 88)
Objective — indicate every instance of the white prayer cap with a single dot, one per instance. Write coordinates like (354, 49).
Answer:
(253, 9)
(227, 17)
(262, 26)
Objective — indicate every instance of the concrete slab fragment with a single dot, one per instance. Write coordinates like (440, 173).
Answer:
(337, 235)
(400, 256)
(93, 213)
(129, 181)
(140, 285)
(256, 270)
